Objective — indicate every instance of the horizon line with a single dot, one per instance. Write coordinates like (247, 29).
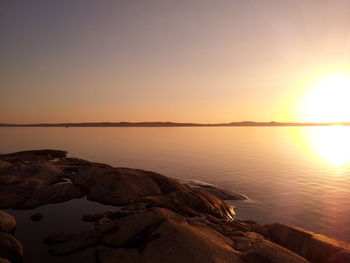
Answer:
(172, 124)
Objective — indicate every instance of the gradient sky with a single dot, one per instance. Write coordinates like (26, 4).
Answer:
(180, 60)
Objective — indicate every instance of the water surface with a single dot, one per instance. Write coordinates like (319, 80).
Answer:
(294, 175)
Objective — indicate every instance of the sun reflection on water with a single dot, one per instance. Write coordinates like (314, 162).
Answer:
(331, 143)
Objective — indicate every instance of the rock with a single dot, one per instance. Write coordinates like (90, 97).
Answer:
(224, 194)
(198, 237)
(160, 235)
(314, 247)
(95, 216)
(68, 243)
(38, 184)
(34, 155)
(131, 227)
(33, 195)
(103, 220)
(49, 195)
(10, 196)
(219, 192)
(120, 255)
(119, 187)
(30, 183)
(9, 179)
(36, 217)
(58, 238)
(255, 248)
(7, 223)
(10, 248)
(109, 215)
(4, 166)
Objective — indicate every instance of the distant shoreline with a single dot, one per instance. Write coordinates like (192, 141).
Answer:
(175, 124)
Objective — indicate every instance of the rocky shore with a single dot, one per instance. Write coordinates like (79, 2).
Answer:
(156, 218)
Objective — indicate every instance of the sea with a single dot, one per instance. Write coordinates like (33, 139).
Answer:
(293, 175)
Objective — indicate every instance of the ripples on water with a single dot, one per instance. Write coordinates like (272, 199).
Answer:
(294, 175)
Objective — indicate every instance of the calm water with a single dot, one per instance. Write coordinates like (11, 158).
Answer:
(294, 175)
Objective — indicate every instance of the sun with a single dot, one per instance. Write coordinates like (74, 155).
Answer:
(328, 99)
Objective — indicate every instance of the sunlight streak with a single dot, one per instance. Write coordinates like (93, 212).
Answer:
(331, 143)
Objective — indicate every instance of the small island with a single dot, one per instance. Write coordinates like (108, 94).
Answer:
(156, 218)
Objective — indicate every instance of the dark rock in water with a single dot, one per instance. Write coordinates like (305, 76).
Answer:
(314, 247)
(36, 217)
(96, 216)
(58, 238)
(223, 194)
(10, 248)
(7, 223)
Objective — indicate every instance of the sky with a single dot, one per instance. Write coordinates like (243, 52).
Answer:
(181, 60)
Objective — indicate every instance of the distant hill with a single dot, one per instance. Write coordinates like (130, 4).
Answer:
(171, 124)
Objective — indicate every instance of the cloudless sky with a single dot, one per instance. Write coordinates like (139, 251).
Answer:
(180, 60)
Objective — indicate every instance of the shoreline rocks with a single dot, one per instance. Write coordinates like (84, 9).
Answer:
(11, 249)
(219, 192)
(312, 246)
(156, 218)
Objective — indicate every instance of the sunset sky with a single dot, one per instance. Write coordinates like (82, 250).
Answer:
(183, 60)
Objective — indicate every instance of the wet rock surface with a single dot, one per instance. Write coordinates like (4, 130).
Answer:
(156, 218)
